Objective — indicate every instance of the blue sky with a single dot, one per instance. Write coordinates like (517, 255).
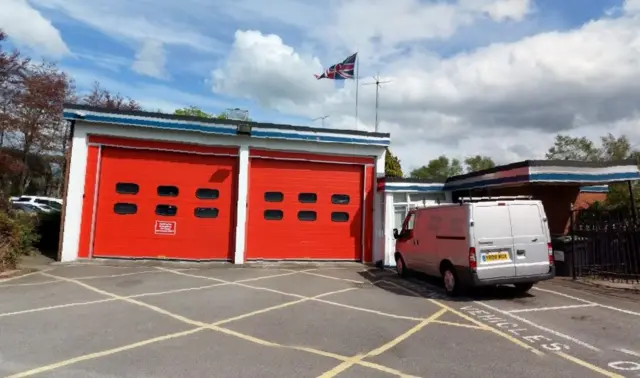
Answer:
(262, 57)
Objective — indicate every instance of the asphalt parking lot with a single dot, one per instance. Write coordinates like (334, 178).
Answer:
(325, 321)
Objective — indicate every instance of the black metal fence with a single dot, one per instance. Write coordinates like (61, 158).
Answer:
(605, 244)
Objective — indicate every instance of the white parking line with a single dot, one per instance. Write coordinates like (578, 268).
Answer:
(538, 326)
(587, 302)
(629, 352)
(551, 308)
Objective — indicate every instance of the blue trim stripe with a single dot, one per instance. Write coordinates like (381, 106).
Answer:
(231, 130)
(485, 183)
(156, 124)
(550, 178)
(317, 138)
(594, 189)
(582, 177)
(413, 188)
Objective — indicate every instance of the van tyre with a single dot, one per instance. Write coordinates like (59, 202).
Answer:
(522, 288)
(401, 267)
(450, 281)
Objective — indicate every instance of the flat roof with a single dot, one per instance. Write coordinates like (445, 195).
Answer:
(228, 127)
(407, 184)
(565, 172)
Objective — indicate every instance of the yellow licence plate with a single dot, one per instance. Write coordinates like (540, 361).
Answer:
(498, 256)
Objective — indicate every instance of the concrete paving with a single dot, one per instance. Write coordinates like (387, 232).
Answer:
(303, 321)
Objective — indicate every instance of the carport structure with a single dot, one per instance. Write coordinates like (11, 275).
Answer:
(557, 183)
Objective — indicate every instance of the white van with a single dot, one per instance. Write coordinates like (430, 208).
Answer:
(478, 242)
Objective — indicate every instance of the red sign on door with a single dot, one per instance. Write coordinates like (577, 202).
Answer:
(165, 228)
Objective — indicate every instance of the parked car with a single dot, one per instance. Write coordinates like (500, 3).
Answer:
(478, 242)
(26, 207)
(47, 204)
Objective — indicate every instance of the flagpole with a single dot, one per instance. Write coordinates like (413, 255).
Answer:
(357, 85)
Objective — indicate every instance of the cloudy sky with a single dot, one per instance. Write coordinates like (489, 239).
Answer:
(494, 77)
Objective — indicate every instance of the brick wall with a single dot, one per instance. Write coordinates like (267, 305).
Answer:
(585, 199)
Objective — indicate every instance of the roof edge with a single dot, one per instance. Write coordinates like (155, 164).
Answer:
(258, 125)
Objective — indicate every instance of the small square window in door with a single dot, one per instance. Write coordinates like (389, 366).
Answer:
(166, 210)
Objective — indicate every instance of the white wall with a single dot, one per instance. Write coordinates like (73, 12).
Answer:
(396, 200)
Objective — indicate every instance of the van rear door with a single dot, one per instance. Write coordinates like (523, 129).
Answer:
(529, 238)
(493, 241)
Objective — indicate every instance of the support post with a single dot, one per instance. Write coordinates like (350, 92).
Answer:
(632, 202)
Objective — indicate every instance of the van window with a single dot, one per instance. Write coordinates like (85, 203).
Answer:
(526, 220)
(491, 222)
(408, 224)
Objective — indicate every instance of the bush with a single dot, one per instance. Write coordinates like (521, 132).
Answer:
(18, 236)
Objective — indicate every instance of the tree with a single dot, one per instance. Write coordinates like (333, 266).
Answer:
(570, 148)
(37, 115)
(102, 98)
(392, 167)
(12, 70)
(611, 148)
(194, 111)
(438, 169)
(478, 163)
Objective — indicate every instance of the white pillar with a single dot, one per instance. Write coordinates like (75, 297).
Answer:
(75, 194)
(389, 241)
(241, 204)
(378, 213)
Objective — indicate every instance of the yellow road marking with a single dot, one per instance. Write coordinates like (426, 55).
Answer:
(566, 356)
(56, 307)
(355, 359)
(104, 353)
(201, 326)
(589, 366)
(462, 325)
(5, 280)
(29, 284)
(334, 278)
(132, 296)
(472, 320)
(241, 283)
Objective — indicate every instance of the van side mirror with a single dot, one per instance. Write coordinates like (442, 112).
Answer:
(395, 233)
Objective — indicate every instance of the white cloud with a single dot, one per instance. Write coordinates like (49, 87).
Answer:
(504, 100)
(631, 6)
(151, 60)
(502, 10)
(28, 28)
(137, 21)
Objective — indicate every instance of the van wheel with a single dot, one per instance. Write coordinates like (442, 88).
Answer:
(522, 288)
(450, 280)
(401, 267)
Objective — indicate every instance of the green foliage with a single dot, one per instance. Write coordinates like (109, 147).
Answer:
(478, 163)
(193, 111)
(569, 148)
(438, 170)
(611, 148)
(17, 236)
(392, 166)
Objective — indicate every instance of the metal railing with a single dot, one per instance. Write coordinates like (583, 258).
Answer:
(605, 244)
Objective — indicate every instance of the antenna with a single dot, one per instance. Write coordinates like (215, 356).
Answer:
(322, 118)
(377, 83)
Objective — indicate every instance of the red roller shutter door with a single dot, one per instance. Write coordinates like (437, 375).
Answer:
(304, 210)
(155, 204)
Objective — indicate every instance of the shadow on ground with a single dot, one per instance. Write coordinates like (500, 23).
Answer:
(419, 284)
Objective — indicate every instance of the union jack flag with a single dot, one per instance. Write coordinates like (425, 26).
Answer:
(340, 71)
